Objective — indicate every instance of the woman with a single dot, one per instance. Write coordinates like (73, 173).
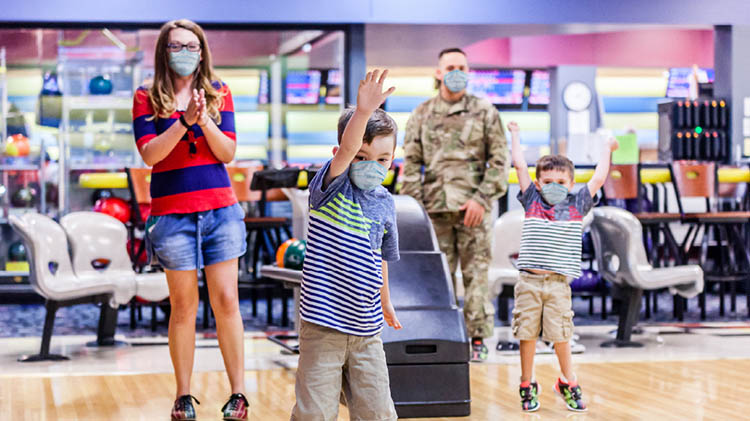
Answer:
(184, 127)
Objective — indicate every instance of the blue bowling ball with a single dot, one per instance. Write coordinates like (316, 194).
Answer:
(100, 85)
(588, 281)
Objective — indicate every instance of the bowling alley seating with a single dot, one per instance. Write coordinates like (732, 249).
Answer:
(624, 184)
(621, 258)
(265, 233)
(241, 178)
(506, 243)
(98, 245)
(139, 185)
(52, 276)
(723, 250)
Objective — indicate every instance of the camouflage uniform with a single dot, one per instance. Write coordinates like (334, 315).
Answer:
(463, 150)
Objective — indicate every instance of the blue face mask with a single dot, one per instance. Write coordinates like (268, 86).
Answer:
(367, 174)
(554, 193)
(184, 62)
(456, 81)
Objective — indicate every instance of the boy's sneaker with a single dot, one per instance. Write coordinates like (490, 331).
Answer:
(478, 350)
(183, 408)
(573, 396)
(236, 407)
(529, 397)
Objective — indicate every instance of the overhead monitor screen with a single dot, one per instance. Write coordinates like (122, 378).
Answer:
(303, 87)
(498, 86)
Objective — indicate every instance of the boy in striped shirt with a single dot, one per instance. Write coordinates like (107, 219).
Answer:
(345, 299)
(550, 257)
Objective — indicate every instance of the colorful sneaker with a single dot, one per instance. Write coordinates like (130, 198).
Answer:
(236, 408)
(529, 397)
(573, 396)
(183, 408)
(478, 350)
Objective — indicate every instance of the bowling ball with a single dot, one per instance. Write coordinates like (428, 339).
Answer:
(294, 255)
(17, 252)
(281, 250)
(114, 207)
(588, 281)
(17, 145)
(101, 194)
(100, 85)
(24, 197)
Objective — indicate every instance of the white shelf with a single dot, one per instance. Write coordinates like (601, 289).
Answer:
(98, 102)
(26, 167)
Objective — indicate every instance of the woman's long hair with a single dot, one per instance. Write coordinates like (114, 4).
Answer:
(162, 94)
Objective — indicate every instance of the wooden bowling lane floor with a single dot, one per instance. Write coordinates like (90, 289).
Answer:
(675, 390)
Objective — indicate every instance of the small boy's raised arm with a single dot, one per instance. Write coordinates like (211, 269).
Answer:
(602, 168)
(522, 170)
(369, 98)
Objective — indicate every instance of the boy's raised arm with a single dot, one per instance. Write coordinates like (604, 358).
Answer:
(369, 97)
(522, 170)
(602, 168)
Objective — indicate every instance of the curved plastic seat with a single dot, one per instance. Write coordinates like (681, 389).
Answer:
(52, 274)
(621, 257)
(618, 238)
(99, 245)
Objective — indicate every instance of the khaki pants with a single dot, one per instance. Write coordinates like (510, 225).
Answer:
(335, 366)
(542, 301)
(470, 246)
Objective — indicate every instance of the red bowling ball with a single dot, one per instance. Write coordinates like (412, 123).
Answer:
(115, 207)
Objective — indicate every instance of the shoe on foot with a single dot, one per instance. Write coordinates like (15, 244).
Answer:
(571, 395)
(478, 350)
(183, 408)
(529, 396)
(236, 408)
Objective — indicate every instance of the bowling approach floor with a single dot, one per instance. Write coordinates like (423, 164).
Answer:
(682, 373)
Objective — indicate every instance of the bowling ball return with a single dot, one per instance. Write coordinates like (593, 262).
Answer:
(428, 359)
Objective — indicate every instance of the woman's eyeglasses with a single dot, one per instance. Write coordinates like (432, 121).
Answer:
(176, 47)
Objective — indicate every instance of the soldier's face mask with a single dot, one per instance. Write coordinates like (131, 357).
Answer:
(456, 80)
(554, 193)
(367, 174)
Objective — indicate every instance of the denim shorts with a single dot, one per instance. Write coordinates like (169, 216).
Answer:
(190, 241)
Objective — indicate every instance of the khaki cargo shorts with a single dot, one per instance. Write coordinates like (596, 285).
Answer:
(542, 302)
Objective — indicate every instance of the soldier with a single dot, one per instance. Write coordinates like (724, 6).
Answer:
(459, 140)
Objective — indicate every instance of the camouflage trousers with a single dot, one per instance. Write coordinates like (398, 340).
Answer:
(470, 246)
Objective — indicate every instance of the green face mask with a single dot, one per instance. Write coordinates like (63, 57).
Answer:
(554, 193)
(184, 62)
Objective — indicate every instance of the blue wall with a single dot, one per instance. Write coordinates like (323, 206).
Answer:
(734, 12)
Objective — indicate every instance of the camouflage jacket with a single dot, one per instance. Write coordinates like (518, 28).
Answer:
(463, 150)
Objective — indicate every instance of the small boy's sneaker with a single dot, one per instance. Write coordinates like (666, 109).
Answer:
(529, 397)
(573, 396)
(183, 408)
(236, 408)
(478, 350)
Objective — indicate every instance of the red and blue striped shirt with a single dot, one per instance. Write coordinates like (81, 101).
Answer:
(184, 182)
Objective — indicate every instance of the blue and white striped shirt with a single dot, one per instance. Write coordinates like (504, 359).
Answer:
(350, 233)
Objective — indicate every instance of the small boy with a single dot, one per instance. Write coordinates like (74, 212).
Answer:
(345, 298)
(550, 257)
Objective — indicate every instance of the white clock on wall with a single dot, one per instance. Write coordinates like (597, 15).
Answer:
(577, 96)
